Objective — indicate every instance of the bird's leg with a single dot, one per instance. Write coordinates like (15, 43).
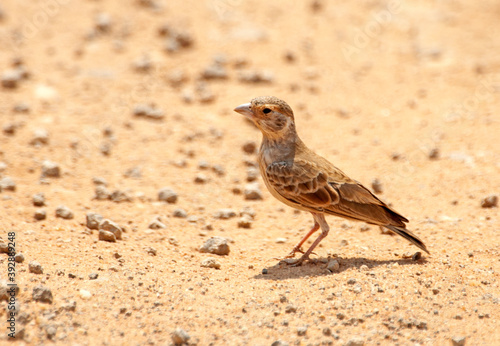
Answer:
(320, 219)
(297, 248)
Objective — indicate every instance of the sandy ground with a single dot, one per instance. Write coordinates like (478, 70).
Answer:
(139, 95)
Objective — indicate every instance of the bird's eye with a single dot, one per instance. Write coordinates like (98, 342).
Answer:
(266, 110)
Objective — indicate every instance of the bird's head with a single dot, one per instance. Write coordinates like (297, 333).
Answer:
(271, 115)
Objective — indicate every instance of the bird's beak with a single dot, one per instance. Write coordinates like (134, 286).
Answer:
(245, 110)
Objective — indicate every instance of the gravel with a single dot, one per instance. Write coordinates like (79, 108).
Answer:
(224, 214)
(301, 331)
(167, 195)
(156, 224)
(210, 262)
(252, 192)
(40, 214)
(490, 202)
(180, 213)
(111, 226)
(249, 147)
(40, 137)
(180, 337)
(64, 212)
(35, 267)
(245, 221)
(50, 169)
(10, 79)
(102, 193)
(42, 294)
(4, 290)
(106, 236)
(458, 341)
(39, 200)
(377, 186)
(148, 112)
(333, 265)
(7, 184)
(252, 174)
(19, 257)
(216, 246)
(93, 220)
(355, 341)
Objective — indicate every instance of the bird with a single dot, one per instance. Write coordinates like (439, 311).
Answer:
(304, 180)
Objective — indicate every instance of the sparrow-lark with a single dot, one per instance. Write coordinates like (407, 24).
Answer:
(300, 178)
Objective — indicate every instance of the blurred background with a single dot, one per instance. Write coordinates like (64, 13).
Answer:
(103, 103)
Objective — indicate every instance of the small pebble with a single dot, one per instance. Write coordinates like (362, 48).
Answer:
(39, 200)
(106, 236)
(156, 224)
(490, 202)
(4, 248)
(148, 112)
(249, 147)
(19, 257)
(247, 76)
(102, 193)
(21, 107)
(416, 256)
(333, 265)
(252, 174)
(7, 184)
(180, 213)
(458, 341)
(224, 214)
(252, 192)
(103, 23)
(84, 294)
(50, 169)
(210, 262)
(93, 220)
(35, 267)
(40, 214)
(99, 181)
(301, 331)
(111, 226)
(245, 221)
(356, 341)
(40, 137)
(93, 276)
(280, 343)
(434, 154)
(216, 246)
(50, 331)
(42, 294)
(64, 212)
(377, 186)
(10, 79)
(201, 179)
(151, 251)
(180, 337)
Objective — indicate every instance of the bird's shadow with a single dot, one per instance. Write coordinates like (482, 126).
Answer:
(318, 267)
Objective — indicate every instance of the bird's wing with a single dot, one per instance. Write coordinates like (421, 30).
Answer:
(330, 191)
(357, 202)
(302, 182)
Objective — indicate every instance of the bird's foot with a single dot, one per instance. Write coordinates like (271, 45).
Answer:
(292, 253)
(297, 262)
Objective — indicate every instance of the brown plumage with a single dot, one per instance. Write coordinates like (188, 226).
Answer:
(300, 178)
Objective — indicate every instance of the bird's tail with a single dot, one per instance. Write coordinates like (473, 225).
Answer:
(408, 235)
